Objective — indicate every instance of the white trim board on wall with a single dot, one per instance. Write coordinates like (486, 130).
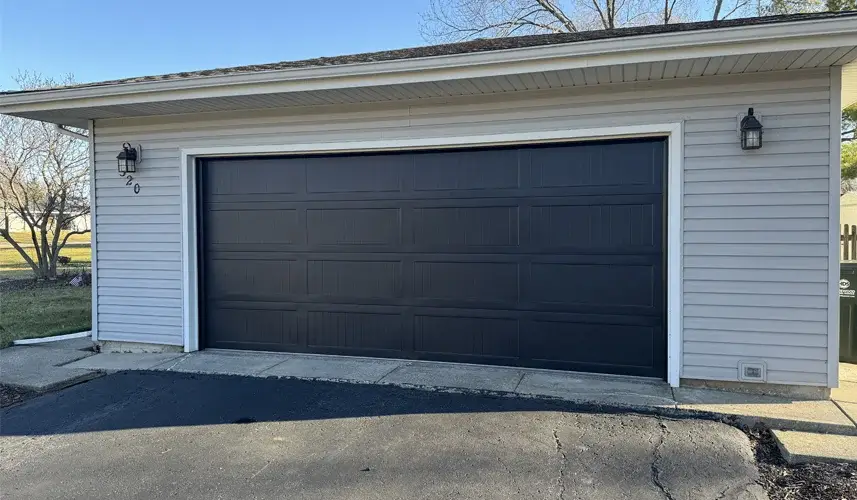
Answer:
(833, 237)
(672, 131)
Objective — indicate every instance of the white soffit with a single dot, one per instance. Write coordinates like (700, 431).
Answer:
(849, 84)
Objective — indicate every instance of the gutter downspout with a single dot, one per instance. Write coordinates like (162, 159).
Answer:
(74, 135)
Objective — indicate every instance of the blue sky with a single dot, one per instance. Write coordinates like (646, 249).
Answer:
(105, 39)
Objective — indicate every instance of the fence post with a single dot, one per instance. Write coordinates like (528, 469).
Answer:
(844, 238)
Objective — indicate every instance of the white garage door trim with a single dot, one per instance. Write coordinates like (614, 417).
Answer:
(673, 132)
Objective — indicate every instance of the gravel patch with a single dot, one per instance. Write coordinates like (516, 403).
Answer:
(12, 395)
(800, 482)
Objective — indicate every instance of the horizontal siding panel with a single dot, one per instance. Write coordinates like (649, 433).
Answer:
(754, 312)
(127, 228)
(772, 135)
(109, 246)
(754, 199)
(768, 339)
(757, 224)
(133, 291)
(765, 186)
(747, 350)
(797, 377)
(145, 179)
(724, 361)
(749, 287)
(709, 372)
(139, 274)
(141, 200)
(758, 262)
(757, 212)
(168, 284)
(772, 122)
(114, 332)
(757, 249)
(764, 300)
(133, 221)
(735, 237)
(142, 237)
(139, 310)
(757, 275)
(134, 327)
(124, 210)
(152, 321)
(109, 299)
(757, 174)
(757, 325)
(142, 265)
(734, 149)
(765, 160)
(137, 256)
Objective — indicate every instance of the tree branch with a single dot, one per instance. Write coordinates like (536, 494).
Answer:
(551, 8)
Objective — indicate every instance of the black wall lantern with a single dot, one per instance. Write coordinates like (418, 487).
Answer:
(751, 131)
(127, 159)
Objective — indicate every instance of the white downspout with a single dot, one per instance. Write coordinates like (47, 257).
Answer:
(74, 135)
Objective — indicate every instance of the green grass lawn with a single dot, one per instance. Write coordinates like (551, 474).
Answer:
(42, 310)
(12, 265)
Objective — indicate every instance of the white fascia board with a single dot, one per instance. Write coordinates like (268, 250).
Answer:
(801, 35)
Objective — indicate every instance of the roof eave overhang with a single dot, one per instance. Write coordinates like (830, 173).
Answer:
(799, 35)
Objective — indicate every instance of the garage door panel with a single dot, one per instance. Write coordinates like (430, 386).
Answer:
(595, 165)
(545, 256)
(360, 174)
(576, 344)
(355, 330)
(466, 336)
(254, 326)
(354, 226)
(464, 226)
(609, 285)
(353, 278)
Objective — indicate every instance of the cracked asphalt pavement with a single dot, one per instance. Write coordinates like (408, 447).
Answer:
(160, 435)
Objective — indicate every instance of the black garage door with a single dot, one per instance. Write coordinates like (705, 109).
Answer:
(544, 255)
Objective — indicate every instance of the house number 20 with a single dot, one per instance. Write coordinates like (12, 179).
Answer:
(129, 181)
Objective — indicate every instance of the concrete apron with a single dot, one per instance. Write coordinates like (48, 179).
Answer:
(630, 393)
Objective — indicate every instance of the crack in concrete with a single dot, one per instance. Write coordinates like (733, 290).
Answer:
(836, 403)
(563, 464)
(523, 374)
(656, 456)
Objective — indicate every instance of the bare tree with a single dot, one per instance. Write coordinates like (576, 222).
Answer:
(455, 20)
(44, 182)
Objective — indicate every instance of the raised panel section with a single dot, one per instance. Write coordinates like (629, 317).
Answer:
(369, 173)
(353, 278)
(594, 165)
(618, 285)
(252, 227)
(246, 177)
(465, 226)
(467, 170)
(466, 336)
(591, 344)
(265, 328)
(353, 226)
(482, 281)
(354, 330)
(252, 279)
(593, 226)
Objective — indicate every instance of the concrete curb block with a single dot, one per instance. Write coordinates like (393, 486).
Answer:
(83, 377)
(55, 338)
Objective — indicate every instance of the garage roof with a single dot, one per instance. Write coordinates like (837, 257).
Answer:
(474, 67)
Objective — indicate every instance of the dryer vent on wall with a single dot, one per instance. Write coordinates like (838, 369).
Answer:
(752, 371)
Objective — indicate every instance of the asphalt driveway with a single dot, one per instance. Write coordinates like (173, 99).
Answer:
(164, 435)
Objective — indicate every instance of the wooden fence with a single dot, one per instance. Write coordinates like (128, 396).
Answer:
(848, 239)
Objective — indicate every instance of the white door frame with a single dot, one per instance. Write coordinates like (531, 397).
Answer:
(672, 131)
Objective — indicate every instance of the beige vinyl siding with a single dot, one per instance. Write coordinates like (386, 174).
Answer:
(755, 223)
